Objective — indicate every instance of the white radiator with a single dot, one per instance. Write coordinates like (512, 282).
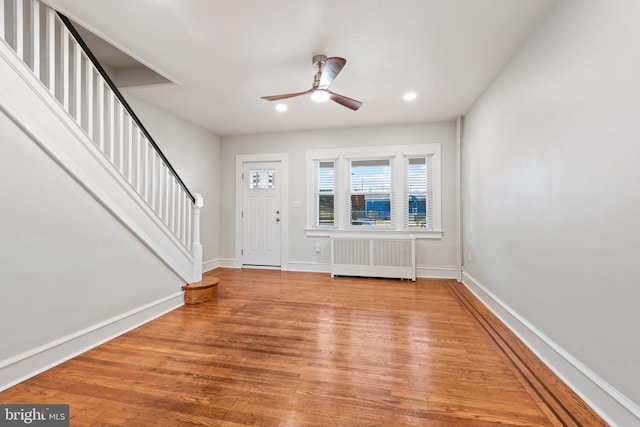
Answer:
(374, 257)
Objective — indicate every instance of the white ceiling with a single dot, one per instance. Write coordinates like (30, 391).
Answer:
(224, 55)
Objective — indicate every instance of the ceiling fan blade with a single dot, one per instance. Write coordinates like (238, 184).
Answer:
(286, 95)
(330, 70)
(346, 101)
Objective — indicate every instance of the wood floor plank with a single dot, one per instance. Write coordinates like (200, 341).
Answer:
(305, 349)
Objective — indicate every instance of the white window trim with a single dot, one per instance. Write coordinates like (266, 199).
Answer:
(398, 155)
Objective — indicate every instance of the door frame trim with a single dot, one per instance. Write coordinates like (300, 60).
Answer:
(283, 158)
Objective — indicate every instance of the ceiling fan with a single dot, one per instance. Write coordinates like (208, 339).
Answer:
(328, 69)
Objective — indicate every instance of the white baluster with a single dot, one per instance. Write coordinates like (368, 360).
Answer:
(180, 215)
(111, 122)
(140, 140)
(181, 204)
(131, 137)
(165, 195)
(189, 218)
(178, 219)
(51, 49)
(100, 114)
(169, 201)
(146, 153)
(35, 38)
(65, 67)
(183, 217)
(77, 62)
(120, 132)
(19, 28)
(196, 246)
(186, 201)
(176, 207)
(168, 191)
(185, 220)
(154, 180)
(161, 189)
(167, 198)
(89, 90)
(173, 204)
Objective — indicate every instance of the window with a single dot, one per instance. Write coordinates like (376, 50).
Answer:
(374, 189)
(419, 193)
(370, 193)
(324, 194)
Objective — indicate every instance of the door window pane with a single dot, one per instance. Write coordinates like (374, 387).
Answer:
(261, 179)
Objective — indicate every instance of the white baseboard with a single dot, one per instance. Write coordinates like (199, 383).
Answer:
(218, 262)
(30, 363)
(210, 265)
(315, 267)
(422, 271)
(430, 272)
(613, 406)
(436, 272)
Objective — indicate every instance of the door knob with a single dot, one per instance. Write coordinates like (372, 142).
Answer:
(277, 219)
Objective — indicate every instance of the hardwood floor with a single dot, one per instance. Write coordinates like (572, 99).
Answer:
(302, 349)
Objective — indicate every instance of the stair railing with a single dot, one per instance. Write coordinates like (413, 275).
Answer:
(50, 46)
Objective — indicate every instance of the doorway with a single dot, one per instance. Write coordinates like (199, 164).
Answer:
(261, 200)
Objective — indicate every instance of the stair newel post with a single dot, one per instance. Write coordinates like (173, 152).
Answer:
(196, 246)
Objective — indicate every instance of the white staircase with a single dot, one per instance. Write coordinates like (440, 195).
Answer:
(98, 232)
(54, 63)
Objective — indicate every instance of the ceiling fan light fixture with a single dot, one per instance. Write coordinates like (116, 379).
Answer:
(281, 108)
(320, 95)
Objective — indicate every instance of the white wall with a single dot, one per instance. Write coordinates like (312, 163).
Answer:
(195, 154)
(551, 199)
(433, 256)
(69, 270)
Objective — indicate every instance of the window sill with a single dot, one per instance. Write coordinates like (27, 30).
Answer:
(368, 233)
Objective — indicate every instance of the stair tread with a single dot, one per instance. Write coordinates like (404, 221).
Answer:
(206, 282)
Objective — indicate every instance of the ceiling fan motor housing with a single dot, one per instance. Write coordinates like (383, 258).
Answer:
(319, 60)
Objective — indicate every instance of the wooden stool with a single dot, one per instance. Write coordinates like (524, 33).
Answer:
(202, 291)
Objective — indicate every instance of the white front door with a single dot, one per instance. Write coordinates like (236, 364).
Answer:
(261, 213)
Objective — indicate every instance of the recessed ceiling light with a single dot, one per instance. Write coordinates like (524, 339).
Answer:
(281, 108)
(409, 96)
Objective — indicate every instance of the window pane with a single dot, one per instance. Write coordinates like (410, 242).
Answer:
(326, 177)
(370, 209)
(417, 210)
(370, 176)
(260, 179)
(326, 209)
(417, 175)
(419, 196)
(324, 194)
